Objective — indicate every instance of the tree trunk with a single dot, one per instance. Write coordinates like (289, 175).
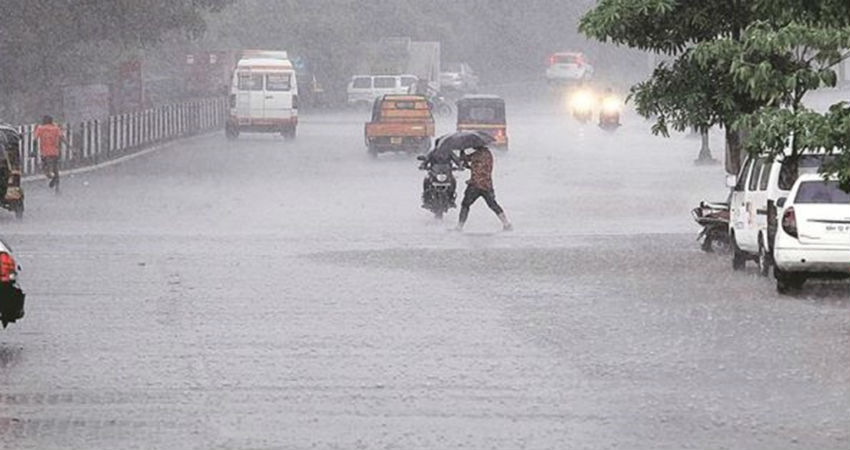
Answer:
(704, 151)
(734, 151)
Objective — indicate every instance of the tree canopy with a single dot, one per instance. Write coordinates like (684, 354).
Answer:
(742, 65)
(40, 39)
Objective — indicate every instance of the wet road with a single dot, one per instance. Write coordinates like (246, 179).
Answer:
(272, 295)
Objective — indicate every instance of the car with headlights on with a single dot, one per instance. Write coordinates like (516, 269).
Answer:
(813, 240)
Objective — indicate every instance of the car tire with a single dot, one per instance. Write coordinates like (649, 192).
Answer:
(19, 210)
(763, 259)
(373, 152)
(739, 258)
(788, 282)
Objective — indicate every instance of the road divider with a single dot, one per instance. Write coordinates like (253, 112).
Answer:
(99, 143)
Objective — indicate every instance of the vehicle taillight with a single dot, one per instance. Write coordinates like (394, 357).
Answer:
(8, 268)
(552, 60)
(294, 102)
(789, 222)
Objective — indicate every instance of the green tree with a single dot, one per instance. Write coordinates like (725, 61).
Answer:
(40, 40)
(742, 65)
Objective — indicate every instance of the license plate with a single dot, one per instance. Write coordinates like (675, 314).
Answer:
(396, 140)
(838, 229)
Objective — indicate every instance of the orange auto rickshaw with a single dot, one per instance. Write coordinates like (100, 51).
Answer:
(485, 113)
(11, 192)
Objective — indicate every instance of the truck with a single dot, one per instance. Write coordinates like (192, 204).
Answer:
(400, 123)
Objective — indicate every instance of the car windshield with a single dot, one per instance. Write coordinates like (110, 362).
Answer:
(821, 192)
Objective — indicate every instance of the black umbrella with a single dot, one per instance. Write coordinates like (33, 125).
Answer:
(463, 140)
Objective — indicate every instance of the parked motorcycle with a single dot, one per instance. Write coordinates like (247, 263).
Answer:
(714, 218)
(439, 189)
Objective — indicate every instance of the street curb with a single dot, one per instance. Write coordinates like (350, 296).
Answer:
(112, 162)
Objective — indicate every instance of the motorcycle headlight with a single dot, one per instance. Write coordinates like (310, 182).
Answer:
(611, 105)
(441, 177)
(582, 101)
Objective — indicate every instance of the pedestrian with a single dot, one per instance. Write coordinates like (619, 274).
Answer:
(480, 184)
(49, 137)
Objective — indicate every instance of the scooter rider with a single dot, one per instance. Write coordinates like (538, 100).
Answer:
(436, 157)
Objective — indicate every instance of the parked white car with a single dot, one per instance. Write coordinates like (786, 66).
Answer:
(364, 89)
(459, 77)
(813, 240)
(568, 67)
(753, 218)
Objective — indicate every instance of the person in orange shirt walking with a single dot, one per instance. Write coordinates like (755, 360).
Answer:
(50, 137)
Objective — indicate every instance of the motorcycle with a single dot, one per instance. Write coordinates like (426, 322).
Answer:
(439, 189)
(609, 115)
(714, 218)
(581, 105)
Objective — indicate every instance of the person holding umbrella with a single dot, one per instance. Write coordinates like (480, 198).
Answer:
(480, 184)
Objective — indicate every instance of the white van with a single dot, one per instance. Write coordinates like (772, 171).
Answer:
(263, 95)
(753, 212)
(364, 89)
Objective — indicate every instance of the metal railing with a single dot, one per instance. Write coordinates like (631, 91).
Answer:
(97, 141)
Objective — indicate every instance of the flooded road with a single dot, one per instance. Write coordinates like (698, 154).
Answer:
(263, 294)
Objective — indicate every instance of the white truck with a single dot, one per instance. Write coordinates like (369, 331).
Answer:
(263, 95)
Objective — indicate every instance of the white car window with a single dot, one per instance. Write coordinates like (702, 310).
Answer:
(384, 82)
(742, 178)
(278, 82)
(755, 176)
(362, 83)
(250, 82)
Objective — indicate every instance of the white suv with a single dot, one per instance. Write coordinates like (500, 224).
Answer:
(813, 239)
(364, 89)
(753, 218)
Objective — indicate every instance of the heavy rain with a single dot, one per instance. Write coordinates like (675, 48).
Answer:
(399, 224)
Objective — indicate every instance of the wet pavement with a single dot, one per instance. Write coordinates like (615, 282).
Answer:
(272, 295)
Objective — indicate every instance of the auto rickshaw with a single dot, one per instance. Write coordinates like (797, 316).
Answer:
(485, 113)
(11, 192)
